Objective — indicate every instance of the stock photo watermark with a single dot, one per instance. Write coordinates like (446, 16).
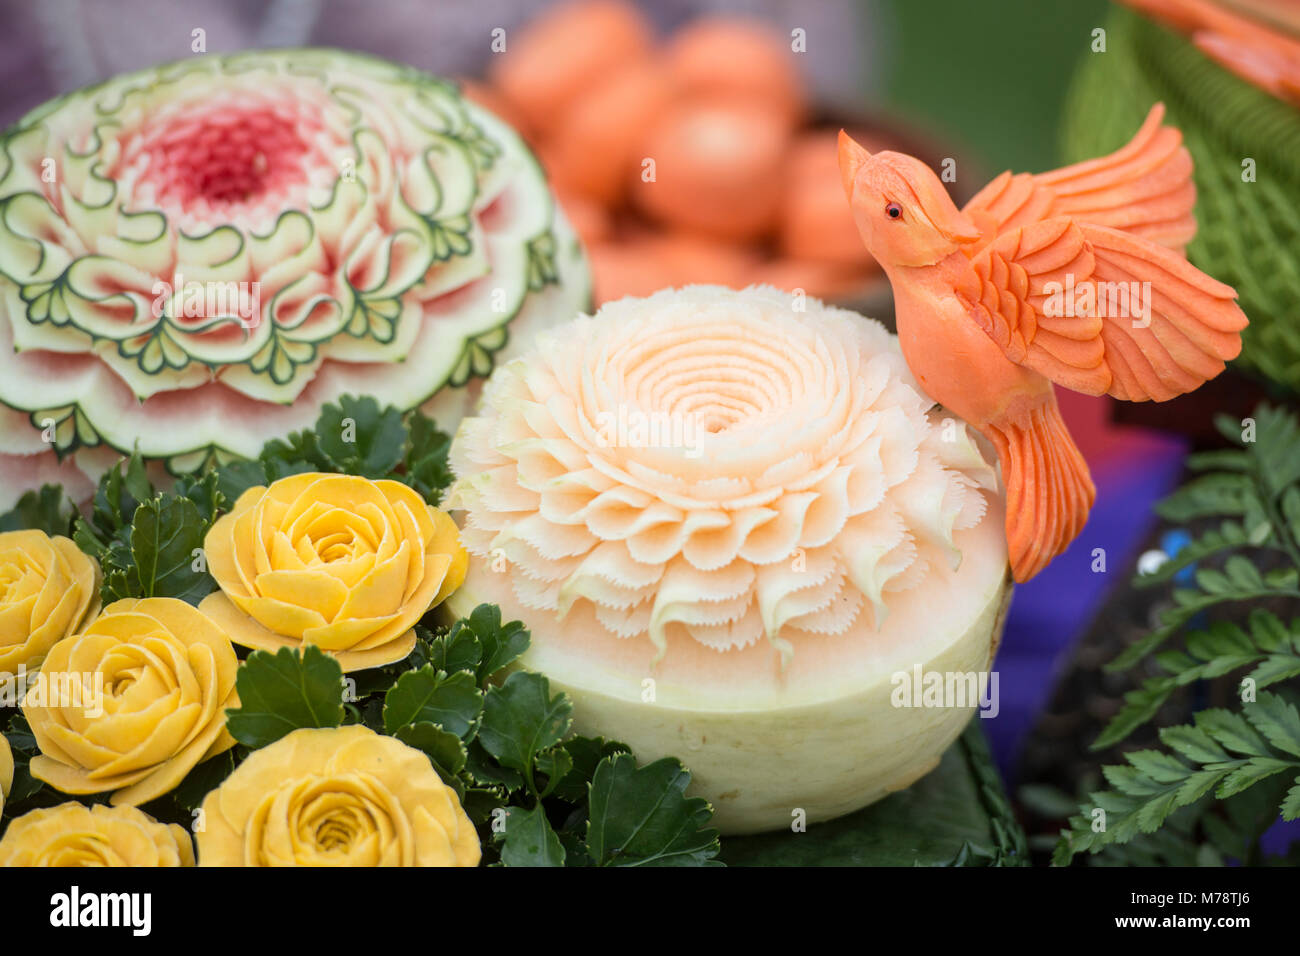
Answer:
(634, 428)
(66, 689)
(946, 690)
(213, 299)
(1106, 300)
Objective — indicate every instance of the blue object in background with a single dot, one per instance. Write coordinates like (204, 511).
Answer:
(1050, 613)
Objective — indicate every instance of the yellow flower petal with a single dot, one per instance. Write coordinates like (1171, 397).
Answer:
(317, 590)
(162, 675)
(346, 633)
(241, 628)
(285, 618)
(48, 588)
(75, 835)
(338, 561)
(342, 796)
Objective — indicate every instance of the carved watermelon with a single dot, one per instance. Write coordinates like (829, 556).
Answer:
(195, 258)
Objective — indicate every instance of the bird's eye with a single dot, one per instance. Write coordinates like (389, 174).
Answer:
(894, 211)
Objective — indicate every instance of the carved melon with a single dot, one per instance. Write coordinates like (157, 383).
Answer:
(739, 532)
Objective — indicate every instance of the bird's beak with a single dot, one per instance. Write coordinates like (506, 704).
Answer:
(852, 159)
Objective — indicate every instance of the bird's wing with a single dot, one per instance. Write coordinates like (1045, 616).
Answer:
(1145, 189)
(1101, 311)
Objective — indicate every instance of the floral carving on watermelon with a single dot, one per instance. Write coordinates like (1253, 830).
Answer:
(196, 258)
(728, 467)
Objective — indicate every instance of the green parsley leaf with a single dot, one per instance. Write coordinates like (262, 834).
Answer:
(445, 749)
(457, 650)
(529, 839)
(499, 644)
(166, 544)
(483, 769)
(281, 692)
(641, 816)
(521, 719)
(426, 467)
(585, 754)
(452, 701)
(49, 510)
(360, 438)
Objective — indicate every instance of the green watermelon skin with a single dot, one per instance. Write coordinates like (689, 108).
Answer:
(1249, 232)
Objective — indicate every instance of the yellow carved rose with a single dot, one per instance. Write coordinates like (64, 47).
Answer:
(6, 771)
(134, 702)
(48, 589)
(343, 796)
(75, 835)
(344, 563)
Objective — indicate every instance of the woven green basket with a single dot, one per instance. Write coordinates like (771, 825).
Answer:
(1249, 232)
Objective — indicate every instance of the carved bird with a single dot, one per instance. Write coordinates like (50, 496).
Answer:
(1075, 276)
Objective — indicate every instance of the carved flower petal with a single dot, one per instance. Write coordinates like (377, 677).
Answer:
(760, 470)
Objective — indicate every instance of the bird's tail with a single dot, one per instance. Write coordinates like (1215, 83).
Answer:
(1049, 489)
(1144, 188)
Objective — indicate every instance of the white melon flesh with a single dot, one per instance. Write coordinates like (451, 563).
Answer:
(767, 745)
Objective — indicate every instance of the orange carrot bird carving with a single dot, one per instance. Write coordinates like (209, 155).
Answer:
(1075, 276)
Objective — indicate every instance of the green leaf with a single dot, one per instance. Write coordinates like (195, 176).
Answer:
(205, 492)
(1277, 721)
(529, 839)
(1220, 493)
(445, 749)
(452, 701)
(484, 769)
(555, 764)
(1160, 767)
(1291, 805)
(296, 453)
(457, 650)
(1226, 459)
(136, 480)
(499, 644)
(1046, 800)
(1232, 731)
(521, 719)
(49, 510)
(236, 477)
(166, 533)
(1140, 705)
(641, 816)
(1193, 743)
(1251, 773)
(281, 692)
(360, 438)
(585, 754)
(1200, 783)
(1274, 668)
(1189, 604)
(426, 465)
(113, 507)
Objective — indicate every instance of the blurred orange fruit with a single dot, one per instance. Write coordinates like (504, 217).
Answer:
(590, 219)
(597, 141)
(572, 47)
(725, 56)
(816, 221)
(717, 169)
